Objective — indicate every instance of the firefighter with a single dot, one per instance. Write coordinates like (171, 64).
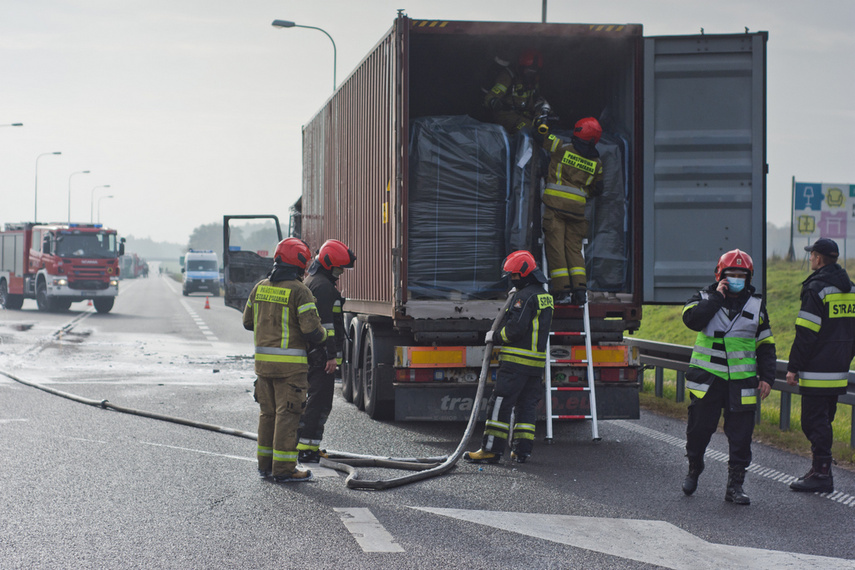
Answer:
(522, 357)
(514, 100)
(575, 174)
(733, 358)
(332, 259)
(281, 311)
(819, 359)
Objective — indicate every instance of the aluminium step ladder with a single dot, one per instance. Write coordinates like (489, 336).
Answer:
(592, 395)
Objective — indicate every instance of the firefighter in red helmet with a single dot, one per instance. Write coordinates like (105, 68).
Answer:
(332, 259)
(514, 99)
(522, 357)
(281, 313)
(731, 369)
(575, 174)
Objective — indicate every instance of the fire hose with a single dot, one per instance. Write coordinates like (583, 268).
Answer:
(425, 467)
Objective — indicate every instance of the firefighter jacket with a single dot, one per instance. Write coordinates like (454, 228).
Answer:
(734, 344)
(329, 303)
(525, 330)
(572, 178)
(514, 104)
(283, 316)
(825, 332)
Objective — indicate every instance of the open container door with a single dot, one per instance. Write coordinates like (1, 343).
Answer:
(704, 159)
(242, 269)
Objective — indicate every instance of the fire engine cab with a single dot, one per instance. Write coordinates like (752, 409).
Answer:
(58, 264)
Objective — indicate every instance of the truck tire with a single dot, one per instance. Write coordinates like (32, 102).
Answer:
(44, 302)
(103, 304)
(60, 305)
(376, 369)
(11, 302)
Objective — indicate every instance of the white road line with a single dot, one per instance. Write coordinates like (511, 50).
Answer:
(754, 468)
(368, 531)
(318, 471)
(13, 419)
(648, 541)
(203, 327)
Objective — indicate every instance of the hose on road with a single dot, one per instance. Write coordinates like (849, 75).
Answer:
(344, 462)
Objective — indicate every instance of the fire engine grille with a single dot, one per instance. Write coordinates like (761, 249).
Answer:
(89, 284)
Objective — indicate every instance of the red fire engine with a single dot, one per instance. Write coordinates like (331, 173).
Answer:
(58, 264)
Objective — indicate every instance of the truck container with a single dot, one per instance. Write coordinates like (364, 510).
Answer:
(402, 165)
(58, 264)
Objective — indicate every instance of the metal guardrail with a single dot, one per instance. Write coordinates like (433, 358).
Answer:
(662, 356)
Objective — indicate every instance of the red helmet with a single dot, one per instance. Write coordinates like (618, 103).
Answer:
(588, 129)
(293, 251)
(335, 254)
(734, 259)
(531, 58)
(520, 261)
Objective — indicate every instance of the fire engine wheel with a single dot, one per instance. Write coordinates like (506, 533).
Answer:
(44, 302)
(103, 304)
(376, 350)
(61, 305)
(11, 302)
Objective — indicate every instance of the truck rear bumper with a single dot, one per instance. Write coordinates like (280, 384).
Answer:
(453, 402)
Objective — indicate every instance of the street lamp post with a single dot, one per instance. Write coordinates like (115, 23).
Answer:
(92, 201)
(289, 24)
(69, 190)
(99, 206)
(13, 125)
(36, 197)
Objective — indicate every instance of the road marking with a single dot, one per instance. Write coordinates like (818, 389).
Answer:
(203, 327)
(648, 541)
(13, 419)
(368, 531)
(316, 470)
(769, 473)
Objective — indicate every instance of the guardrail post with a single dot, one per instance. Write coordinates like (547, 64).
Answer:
(681, 386)
(657, 389)
(852, 430)
(786, 405)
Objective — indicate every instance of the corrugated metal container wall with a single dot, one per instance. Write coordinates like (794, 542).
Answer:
(351, 197)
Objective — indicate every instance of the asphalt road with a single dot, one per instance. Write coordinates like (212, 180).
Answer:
(85, 487)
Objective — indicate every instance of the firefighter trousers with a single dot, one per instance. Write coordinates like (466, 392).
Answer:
(281, 401)
(517, 392)
(563, 234)
(704, 414)
(817, 414)
(318, 407)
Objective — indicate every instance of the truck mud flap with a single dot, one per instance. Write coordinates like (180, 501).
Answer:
(453, 402)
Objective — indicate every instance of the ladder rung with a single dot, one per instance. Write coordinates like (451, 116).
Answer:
(572, 417)
(570, 388)
(567, 333)
(568, 361)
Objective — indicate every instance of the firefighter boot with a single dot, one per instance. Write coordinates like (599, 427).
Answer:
(298, 476)
(482, 456)
(519, 457)
(696, 467)
(580, 296)
(734, 493)
(309, 456)
(818, 479)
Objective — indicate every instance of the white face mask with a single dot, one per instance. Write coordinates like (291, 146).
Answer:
(735, 284)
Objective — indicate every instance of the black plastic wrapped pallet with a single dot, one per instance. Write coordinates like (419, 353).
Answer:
(458, 193)
(523, 221)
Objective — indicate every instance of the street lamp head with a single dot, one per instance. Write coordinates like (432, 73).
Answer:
(56, 153)
(283, 24)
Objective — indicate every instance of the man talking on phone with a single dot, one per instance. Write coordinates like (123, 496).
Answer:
(733, 362)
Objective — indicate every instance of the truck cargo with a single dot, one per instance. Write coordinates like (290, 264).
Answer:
(403, 166)
(58, 264)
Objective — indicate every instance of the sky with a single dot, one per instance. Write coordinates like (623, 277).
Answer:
(192, 109)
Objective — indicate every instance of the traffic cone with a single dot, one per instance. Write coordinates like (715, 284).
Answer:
(89, 304)
(207, 304)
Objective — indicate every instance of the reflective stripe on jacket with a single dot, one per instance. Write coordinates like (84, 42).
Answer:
(824, 345)
(284, 319)
(526, 329)
(570, 176)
